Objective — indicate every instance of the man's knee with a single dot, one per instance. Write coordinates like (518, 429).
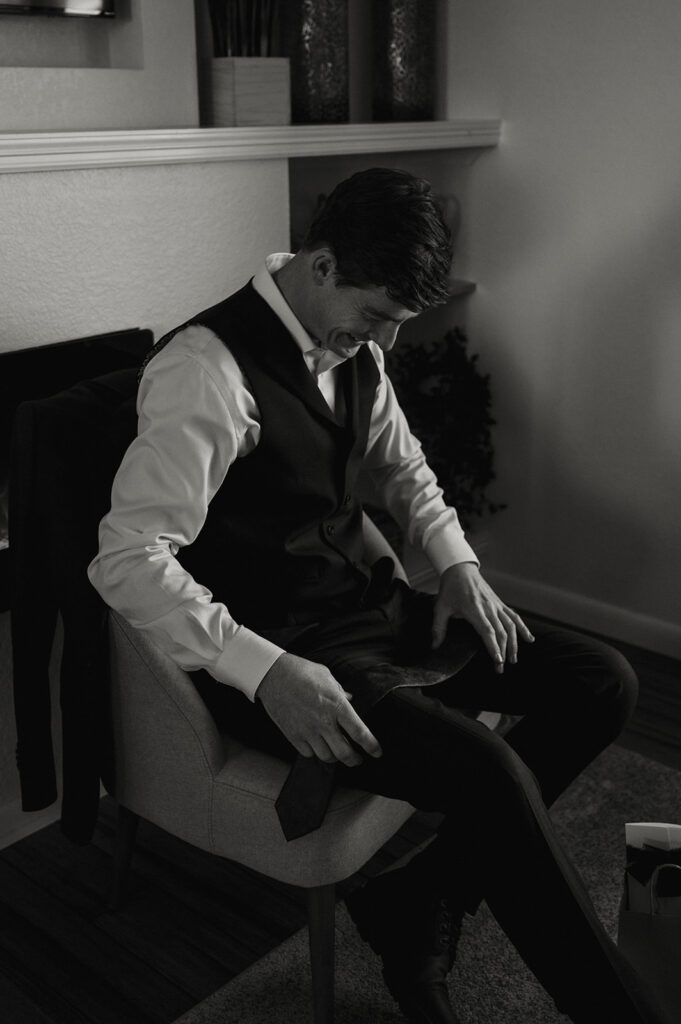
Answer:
(596, 672)
(615, 682)
(428, 743)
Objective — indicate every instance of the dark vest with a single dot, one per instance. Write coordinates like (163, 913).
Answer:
(282, 542)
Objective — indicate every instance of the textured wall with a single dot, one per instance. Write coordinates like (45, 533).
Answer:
(88, 251)
(572, 228)
(150, 80)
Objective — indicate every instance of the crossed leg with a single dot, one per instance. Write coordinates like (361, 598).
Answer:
(497, 841)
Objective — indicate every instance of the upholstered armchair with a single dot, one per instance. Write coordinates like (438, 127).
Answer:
(173, 768)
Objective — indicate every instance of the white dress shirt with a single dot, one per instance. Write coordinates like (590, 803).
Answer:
(197, 415)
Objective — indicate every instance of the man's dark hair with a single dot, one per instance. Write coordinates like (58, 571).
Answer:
(386, 229)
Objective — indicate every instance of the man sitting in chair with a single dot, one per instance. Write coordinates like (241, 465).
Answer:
(235, 540)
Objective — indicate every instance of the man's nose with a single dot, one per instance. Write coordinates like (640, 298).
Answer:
(385, 335)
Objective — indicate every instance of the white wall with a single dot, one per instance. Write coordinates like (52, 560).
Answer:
(573, 230)
(89, 251)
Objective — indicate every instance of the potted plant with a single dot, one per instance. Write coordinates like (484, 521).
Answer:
(447, 402)
(249, 85)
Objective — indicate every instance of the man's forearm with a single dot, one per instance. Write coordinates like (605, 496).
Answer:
(164, 601)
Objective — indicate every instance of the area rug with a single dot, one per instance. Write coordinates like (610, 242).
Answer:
(489, 984)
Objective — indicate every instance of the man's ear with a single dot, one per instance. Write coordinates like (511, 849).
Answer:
(323, 266)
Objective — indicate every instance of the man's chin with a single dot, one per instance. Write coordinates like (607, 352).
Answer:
(346, 348)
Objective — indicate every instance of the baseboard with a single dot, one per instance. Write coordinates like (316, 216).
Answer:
(586, 613)
(16, 824)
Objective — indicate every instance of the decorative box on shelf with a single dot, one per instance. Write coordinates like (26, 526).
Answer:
(250, 91)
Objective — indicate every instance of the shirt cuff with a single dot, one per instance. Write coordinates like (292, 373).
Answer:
(246, 661)
(443, 552)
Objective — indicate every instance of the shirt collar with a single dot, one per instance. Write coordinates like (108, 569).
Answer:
(266, 287)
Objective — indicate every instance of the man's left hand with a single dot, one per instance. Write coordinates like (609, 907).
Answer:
(464, 594)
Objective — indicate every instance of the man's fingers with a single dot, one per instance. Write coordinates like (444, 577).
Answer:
(501, 635)
(522, 629)
(314, 712)
(439, 627)
(490, 637)
(322, 749)
(329, 747)
(511, 636)
(342, 750)
(464, 594)
(353, 725)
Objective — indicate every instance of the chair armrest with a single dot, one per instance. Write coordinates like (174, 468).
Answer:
(147, 665)
(167, 748)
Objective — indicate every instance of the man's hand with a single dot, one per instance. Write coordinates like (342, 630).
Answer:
(464, 594)
(313, 711)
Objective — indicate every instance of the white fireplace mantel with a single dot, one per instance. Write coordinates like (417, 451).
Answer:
(51, 151)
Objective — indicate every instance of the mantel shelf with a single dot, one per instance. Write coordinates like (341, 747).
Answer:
(52, 151)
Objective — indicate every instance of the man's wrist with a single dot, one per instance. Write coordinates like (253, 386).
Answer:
(268, 676)
(442, 551)
(245, 661)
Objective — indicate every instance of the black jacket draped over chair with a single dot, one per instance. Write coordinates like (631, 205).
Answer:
(64, 453)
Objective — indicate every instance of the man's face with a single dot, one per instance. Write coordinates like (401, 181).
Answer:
(348, 317)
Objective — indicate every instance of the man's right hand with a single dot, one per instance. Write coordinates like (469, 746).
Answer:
(313, 711)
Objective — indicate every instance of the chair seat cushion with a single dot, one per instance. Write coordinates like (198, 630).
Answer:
(245, 826)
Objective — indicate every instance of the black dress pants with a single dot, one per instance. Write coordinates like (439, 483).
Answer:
(496, 841)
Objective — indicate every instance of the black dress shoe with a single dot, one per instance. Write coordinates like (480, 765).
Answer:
(415, 934)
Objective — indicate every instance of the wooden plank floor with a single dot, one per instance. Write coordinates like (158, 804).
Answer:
(192, 921)
(655, 729)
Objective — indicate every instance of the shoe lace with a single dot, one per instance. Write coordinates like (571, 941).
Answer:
(444, 924)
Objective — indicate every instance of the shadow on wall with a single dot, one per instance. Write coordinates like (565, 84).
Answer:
(611, 435)
(509, 234)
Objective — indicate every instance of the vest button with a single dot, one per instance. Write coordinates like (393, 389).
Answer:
(347, 499)
(330, 529)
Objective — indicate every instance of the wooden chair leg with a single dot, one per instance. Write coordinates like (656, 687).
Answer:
(126, 831)
(321, 906)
